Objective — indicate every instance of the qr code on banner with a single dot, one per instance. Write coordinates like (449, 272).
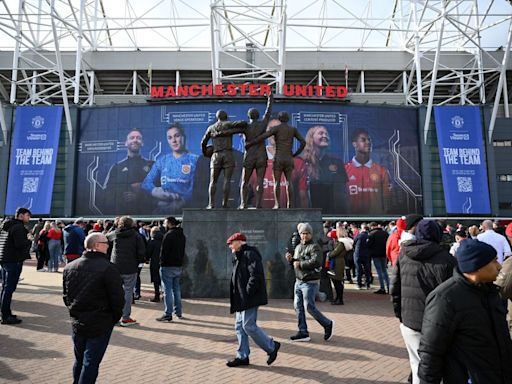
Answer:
(464, 184)
(30, 184)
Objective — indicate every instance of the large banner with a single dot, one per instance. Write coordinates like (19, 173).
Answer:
(462, 154)
(34, 149)
(146, 160)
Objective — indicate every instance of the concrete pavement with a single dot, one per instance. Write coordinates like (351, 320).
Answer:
(367, 346)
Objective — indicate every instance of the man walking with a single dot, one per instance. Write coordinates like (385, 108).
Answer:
(93, 293)
(14, 250)
(247, 292)
(362, 258)
(306, 262)
(464, 335)
(127, 251)
(171, 268)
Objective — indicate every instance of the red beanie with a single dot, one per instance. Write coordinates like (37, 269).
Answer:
(401, 224)
(333, 234)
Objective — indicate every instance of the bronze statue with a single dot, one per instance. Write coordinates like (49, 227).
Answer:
(283, 159)
(255, 157)
(222, 157)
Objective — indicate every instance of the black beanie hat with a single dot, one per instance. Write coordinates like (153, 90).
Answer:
(428, 230)
(411, 220)
(474, 254)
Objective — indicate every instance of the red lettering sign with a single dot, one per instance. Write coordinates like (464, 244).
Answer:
(253, 90)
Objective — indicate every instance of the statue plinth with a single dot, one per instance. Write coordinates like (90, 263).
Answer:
(209, 260)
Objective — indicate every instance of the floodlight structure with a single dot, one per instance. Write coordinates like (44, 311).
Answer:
(248, 41)
(456, 52)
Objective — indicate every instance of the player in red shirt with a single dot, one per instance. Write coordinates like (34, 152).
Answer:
(369, 188)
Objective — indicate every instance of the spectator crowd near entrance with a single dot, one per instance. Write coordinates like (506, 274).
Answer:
(448, 285)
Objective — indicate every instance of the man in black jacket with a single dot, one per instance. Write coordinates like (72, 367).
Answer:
(464, 332)
(93, 293)
(172, 256)
(247, 292)
(127, 251)
(421, 266)
(377, 239)
(14, 250)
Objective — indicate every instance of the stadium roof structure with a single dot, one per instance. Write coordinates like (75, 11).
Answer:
(413, 52)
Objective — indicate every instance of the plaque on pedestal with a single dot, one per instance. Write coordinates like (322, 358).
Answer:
(209, 260)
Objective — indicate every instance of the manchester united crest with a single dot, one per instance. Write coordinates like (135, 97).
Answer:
(374, 177)
(333, 168)
(185, 169)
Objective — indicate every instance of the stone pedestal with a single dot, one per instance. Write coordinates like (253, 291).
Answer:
(209, 260)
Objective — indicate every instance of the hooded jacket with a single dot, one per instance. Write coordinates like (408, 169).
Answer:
(126, 250)
(310, 257)
(465, 335)
(421, 266)
(14, 244)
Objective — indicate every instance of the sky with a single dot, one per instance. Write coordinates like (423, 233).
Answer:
(311, 24)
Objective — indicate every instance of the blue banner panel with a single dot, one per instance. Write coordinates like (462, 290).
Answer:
(359, 160)
(33, 160)
(462, 154)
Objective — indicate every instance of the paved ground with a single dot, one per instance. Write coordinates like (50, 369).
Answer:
(367, 346)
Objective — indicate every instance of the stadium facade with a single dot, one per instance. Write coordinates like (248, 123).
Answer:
(399, 68)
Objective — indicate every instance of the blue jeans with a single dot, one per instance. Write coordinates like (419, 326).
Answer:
(10, 276)
(128, 285)
(170, 277)
(382, 272)
(88, 355)
(363, 265)
(55, 251)
(245, 325)
(305, 293)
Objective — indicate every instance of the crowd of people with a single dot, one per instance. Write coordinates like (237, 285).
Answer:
(449, 285)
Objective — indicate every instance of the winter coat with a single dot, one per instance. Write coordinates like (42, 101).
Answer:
(393, 246)
(421, 266)
(74, 237)
(465, 334)
(377, 243)
(310, 257)
(153, 256)
(14, 244)
(338, 254)
(361, 245)
(247, 285)
(504, 280)
(93, 292)
(173, 248)
(126, 250)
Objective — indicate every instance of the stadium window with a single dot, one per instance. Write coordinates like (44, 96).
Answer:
(509, 178)
(502, 143)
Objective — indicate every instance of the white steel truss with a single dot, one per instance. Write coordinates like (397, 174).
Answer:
(249, 39)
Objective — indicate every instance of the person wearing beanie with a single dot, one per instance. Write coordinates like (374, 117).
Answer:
(247, 291)
(410, 227)
(392, 245)
(307, 263)
(464, 336)
(421, 266)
